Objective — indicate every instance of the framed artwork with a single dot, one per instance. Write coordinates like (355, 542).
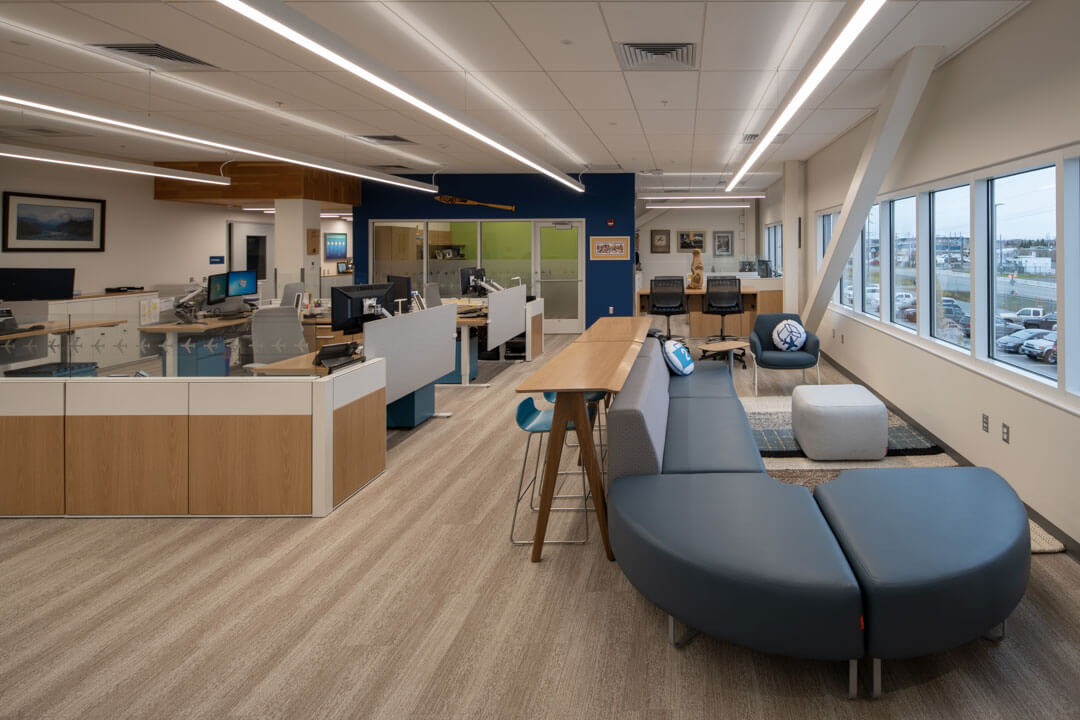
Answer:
(337, 246)
(51, 223)
(609, 247)
(723, 243)
(660, 241)
(691, 240)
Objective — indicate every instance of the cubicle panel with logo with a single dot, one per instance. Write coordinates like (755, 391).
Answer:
(32, 448)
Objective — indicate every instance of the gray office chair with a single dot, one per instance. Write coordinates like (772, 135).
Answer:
(288, 296)
(723, 297)
(667, 297)
(276, 334)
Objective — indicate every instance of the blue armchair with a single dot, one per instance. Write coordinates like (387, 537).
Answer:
(767, 355)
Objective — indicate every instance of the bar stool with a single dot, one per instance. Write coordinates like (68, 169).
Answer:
(538, 422)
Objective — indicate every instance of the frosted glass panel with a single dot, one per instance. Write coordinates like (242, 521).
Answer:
(399, 250)
(506, 249)
(451, 246)
(559, 272)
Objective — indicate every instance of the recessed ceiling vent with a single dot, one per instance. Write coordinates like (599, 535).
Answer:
(157, 56)
(384, 139)
(656, 56)
(751, 138)
(24, 131)
(390, 168)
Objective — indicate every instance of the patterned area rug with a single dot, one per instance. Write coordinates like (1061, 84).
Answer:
(774, 438)
(1041, 540)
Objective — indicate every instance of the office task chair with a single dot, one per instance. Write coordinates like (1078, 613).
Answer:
(276, 334)
(768, 356)
(538, 422)
(288, 296)
(723, 297)
(667, 297)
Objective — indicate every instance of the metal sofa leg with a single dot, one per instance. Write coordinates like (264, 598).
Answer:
(876, 691)
(683, 641)
(755, 376)
(853, 679)
(997, 637)
(818, 367)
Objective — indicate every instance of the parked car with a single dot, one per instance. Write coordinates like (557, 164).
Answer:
(1046, 322)
(1051, 354)
(1011, 343)
(903, 298)
(1002, 328)
(1041, 348)
(1028, 313)
(908, 312)
(951, 312)
(965, 324)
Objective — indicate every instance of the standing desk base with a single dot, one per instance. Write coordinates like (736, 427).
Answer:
(413, 409)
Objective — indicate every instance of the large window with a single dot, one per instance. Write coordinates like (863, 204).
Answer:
(871, 263)
(1023, 278)
(950, 263)
(826, 224)
(904, 257)
(847, 279)
(774, 248)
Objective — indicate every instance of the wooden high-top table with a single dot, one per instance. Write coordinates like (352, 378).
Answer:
(599, 360)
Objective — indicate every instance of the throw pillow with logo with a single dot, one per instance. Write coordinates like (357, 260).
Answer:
(678, 358)
(789, 336)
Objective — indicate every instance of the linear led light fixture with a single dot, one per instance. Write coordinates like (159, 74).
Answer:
(147, 130)
(858, 22)
(262, 16)
(87, 161)
(701, 197)
(695, 207)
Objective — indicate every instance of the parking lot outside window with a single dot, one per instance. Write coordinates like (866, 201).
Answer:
(950, 265)
(1023, 270)
(905, 284)
(871, 263)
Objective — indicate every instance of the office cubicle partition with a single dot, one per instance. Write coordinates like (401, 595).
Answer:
(506, 315)
(418, 348)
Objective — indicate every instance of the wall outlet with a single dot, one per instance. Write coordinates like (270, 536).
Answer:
(611, 310)
(1004, 433)
(986, 423)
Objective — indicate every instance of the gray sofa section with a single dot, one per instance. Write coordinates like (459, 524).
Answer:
(639, 413)
(710, 434)
(741, 557)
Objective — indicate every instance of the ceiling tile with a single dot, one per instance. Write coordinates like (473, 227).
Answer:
(750, 35)
(164, 92)
(826, 122)
(317, 90)
(70, 59)
(594, 90)
(612, 122)
(733, 90)
(668, 122)
(665, 22)
(561, 35)
(819, 18)
(379, 33)
(664, 90)
(245, 87)
(67, 23)
(521, 90)
(101, 91)
(886, 19)
(723, 122)
(448, 86)
(799, 146)
(472, 34)
(860, 89)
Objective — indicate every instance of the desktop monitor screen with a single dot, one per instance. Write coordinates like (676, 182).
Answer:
(217, 288)
(242, 282)
(353, 305)
(37, 284)
(402, 290)
(468, 275)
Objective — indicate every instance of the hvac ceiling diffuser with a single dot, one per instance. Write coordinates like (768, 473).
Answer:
(157, 56)
(657, 56)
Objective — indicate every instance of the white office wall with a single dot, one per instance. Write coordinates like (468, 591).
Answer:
(1016, 92)
(147, 242)
(771, 207)
(329, 225)
(742, 222)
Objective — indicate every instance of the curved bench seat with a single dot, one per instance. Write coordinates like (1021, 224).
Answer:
(741, 557)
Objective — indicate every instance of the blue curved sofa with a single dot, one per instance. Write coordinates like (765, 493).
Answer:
(879, 563)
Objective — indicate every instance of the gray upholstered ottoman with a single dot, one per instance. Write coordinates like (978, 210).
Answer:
(942, 555)
(839, 422)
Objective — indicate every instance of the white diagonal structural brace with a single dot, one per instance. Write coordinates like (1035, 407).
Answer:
(906, 86)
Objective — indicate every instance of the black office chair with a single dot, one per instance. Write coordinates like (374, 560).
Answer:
(723, 297)
(667, 297)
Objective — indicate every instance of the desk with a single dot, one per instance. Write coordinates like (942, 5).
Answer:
(702, 325)
(173, 331)
(64, 330)
(579, 368)
(299, 365)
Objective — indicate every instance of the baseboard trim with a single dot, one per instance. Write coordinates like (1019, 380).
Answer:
(1072, 547)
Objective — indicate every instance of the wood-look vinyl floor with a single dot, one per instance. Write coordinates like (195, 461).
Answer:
(409, 602)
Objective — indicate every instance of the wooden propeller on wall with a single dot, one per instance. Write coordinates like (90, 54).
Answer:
(451, 200)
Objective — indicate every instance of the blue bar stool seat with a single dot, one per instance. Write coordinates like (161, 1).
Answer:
(535, 421)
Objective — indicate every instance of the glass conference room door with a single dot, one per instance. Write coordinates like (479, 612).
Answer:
(559, 275)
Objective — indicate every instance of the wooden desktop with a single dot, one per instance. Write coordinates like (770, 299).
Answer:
(701, 325)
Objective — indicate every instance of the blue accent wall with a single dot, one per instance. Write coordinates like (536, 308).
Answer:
(607, 282)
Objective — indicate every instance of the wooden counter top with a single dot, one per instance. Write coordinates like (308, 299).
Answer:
(197, 328)
(582, 366)
(57, 327)
(606, 329)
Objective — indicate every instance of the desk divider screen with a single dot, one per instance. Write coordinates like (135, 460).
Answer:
(418, 347)
(506, 315)
(32, 448)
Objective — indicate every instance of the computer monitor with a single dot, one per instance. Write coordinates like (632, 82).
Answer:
(402, 290)
(468, 275)
(353, 305)
(342, 267)
(18, 284)
(243, 282)
(217, 288)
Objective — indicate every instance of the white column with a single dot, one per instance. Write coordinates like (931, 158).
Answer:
(793, 212)
(292, 219)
